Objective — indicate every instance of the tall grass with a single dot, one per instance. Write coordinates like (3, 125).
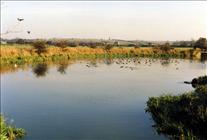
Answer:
(12, 54)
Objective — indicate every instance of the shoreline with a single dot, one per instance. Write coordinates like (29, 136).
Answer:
(20, 54)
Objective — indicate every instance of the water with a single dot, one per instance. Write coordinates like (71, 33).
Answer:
(91, 100)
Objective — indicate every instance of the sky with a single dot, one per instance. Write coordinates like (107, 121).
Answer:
(130, 20)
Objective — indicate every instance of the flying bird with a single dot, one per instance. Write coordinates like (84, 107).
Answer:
(28, 32)
(20, 19)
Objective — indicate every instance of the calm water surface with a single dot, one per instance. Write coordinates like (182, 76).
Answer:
(91, 100)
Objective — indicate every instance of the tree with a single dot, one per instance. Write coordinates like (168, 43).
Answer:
(201, 43)
(40, 46)
(166, 47)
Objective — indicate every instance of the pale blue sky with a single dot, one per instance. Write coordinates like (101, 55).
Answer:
(156, 20)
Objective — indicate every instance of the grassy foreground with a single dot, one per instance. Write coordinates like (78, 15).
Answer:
(9, 132)
(15, 54)
(181, 117)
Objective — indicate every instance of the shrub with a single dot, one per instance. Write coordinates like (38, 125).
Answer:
(201, 43)
(108, 47)
(165, 48)
(49, 42)
(9, 132)
(93, 45)
(20, 41)
(181, 116)
(73, 44)
(40, 46)
(83, 44)
(136, 47)
(61, 43)
(202, 80)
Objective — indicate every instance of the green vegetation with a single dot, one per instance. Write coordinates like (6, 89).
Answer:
(9, 132)
(202, 80)
(201, 43)
(16, 55)
(44, 50)
(181, 117)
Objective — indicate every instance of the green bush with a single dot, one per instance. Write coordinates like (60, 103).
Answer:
(182, 116)
(202, 80)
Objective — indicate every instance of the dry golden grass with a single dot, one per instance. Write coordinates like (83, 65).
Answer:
(11, 54)
(9, 51)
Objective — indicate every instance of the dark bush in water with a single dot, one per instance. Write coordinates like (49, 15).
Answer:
(202, 80)
(182, 116)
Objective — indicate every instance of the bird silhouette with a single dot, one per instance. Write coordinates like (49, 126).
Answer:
(28, 32)
(20, 19)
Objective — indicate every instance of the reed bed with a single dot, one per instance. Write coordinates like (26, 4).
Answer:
(25, 53)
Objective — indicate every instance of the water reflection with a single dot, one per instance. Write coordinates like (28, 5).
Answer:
(92, 63)
(124, 63)
(165, 62)
(102, 101)
(108, 61)
(40, 70)
(63, 67)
